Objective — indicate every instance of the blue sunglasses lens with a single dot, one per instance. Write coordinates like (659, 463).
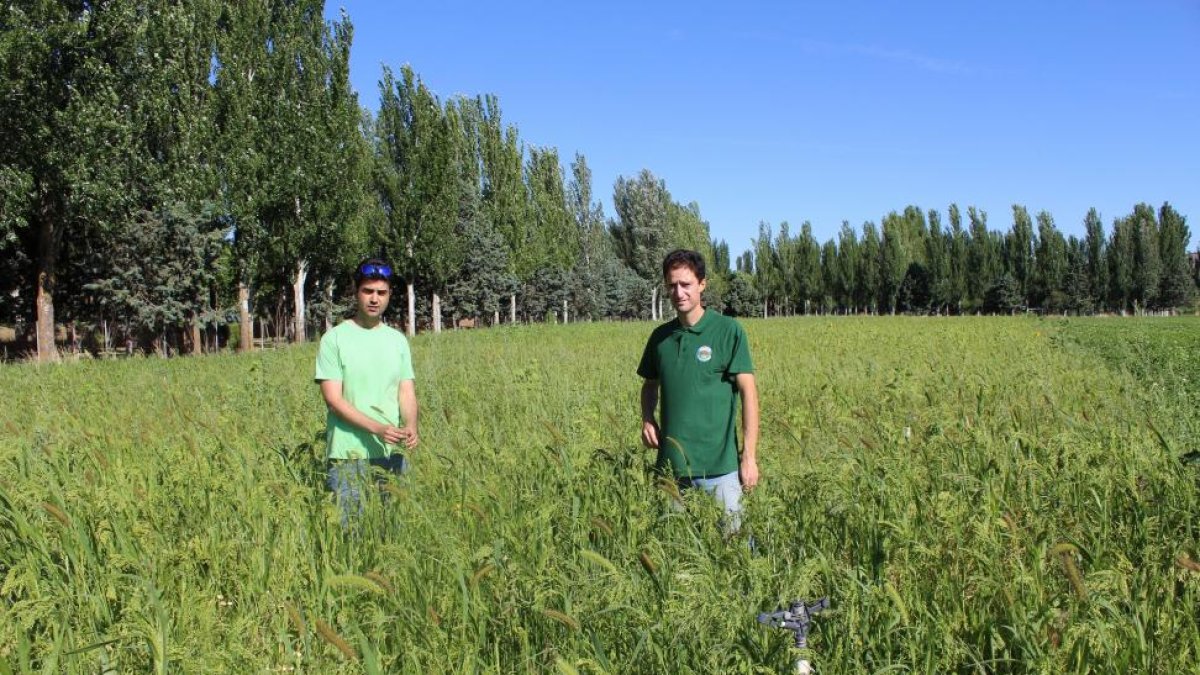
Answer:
(375, 271)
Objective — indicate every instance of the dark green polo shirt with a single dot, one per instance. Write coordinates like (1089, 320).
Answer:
(696, 368)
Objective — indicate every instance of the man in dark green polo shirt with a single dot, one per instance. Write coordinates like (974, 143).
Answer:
(699, 366)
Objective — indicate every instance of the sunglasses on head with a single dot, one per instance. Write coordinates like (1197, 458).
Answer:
(372, 270)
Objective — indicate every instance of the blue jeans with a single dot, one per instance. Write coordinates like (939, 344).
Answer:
(727, 489)
(348, 476)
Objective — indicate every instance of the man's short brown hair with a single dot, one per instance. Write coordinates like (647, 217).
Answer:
(681, 257)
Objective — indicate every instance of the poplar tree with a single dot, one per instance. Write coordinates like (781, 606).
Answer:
(1147, 265)
(829, 276)
(767, 273)
(553, 246)
(937, 262)
(1050, 266)
(642, 231)
(868, 269)
(809, 278)
(1176, 287)
(847, 267)
(958, 247)
(1096, 259)
(982, 257)
(66, 136)
(1018, 251)
(1122, 293)
(313, 192)
(417, 178)
(504, 197)
(893, 262)
(594, 249)
(787, 264)
(242, 89)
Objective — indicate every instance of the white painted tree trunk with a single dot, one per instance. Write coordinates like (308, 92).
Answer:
(654, 303)
(328, 304)
(412, 311)
(512, 308)
(437, 313)
(245, 325)
(764, 309)
(496, 318)
(565, 315)
(298, 298)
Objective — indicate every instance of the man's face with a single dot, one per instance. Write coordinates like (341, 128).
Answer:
(684, 288)
(373, 297)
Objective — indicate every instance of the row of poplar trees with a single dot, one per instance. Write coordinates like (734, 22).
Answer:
(915, 263)
(169, 168)
(173, 169)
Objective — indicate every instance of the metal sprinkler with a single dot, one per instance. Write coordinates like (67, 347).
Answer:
(796, 618)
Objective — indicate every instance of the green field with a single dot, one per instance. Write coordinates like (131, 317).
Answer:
(973, 495)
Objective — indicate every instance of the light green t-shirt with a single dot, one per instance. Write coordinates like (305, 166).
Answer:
(370, 363)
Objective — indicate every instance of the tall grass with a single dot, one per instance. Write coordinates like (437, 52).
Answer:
(974, 496)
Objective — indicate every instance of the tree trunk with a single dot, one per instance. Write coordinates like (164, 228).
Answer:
(245, 328)
(197, 344)
(49, 238)
(437, 313)
(300, 334)
(512, 308)
(496, 318)
(764, 308)
(328, 305)
(565, 315)
(654, 303)
(412, 311)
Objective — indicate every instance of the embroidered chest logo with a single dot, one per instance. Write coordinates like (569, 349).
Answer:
(704, 354)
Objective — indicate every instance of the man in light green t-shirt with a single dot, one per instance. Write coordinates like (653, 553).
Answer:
(364, 368)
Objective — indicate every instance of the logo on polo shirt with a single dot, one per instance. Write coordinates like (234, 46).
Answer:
(704, 354)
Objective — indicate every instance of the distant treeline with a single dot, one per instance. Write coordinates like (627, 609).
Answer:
(169, 170)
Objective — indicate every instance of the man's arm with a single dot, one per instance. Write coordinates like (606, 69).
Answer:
(749, 464)
(649, 413)
(331, 391)
(409, 411)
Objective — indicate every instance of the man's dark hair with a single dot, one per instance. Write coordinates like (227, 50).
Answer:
(684, 258)
(372, 269)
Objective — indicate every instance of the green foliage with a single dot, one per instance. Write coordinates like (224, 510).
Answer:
(742, 298)
(171, 292)
(1003, 296)
(418, 180)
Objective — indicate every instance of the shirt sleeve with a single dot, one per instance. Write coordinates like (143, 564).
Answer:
(741, 362)
(329, 362)
(648, 368)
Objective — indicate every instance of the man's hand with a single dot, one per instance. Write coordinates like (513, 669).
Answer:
(650, 433)
(391, 435)
(411, 438)
(650, 430)
(748, 472)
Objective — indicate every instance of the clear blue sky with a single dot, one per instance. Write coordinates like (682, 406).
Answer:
(830, 111)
